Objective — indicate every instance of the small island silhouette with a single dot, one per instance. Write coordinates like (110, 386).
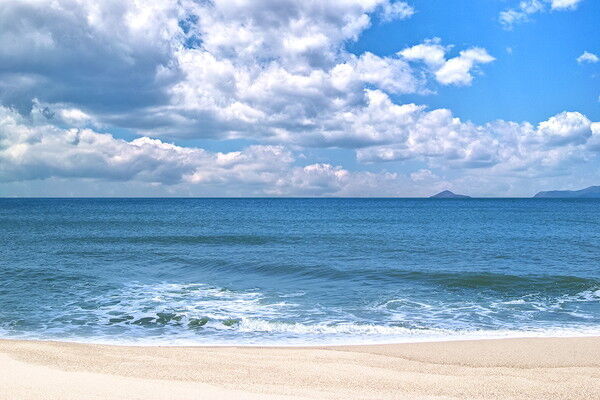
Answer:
(446, 194)
(592, 192)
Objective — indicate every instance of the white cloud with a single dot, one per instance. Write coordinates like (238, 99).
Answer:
(594, 142)
(454, 71)
(431, 52)
(389, 74)
(396, 10)
(564, 128)
(526, 8)
(457, 70)
(588, 57)
(564, 4)
(520, 14)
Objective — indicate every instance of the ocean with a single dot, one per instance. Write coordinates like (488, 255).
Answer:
(297, 271)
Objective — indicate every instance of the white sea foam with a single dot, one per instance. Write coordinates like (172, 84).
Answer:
(200, 314)
(345, 336)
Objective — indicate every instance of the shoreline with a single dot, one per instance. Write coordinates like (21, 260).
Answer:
(506, 368)
(504, 335)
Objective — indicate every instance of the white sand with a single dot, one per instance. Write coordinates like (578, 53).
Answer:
(560, 368)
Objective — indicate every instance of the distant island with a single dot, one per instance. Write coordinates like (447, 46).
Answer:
(446, 194)
(592, 192)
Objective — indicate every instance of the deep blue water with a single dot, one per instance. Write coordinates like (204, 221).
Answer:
(294, 271)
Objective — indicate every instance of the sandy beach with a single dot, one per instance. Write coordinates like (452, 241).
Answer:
(548, 368)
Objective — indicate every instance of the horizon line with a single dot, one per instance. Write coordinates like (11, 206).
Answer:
(283, 197)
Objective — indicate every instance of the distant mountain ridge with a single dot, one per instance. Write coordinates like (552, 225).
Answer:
(592, 192)
(446, 194)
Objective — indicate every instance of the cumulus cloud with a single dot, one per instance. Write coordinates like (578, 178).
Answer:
(443, 141)
(527, 8)
(565, 128)
(431, 52)
(588, 57)
(453, 71)
(457, 70)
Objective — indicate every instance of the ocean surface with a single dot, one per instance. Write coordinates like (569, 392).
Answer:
(297, 271)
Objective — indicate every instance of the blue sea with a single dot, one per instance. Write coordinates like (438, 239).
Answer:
(297, 271)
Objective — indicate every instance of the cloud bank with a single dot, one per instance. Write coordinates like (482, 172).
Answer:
(41, 151)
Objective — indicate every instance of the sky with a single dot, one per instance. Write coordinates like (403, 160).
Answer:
(354, 98)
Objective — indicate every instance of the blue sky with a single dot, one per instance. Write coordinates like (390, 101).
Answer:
(298, 98)
(539, 78)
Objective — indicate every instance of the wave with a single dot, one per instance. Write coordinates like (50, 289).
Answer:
(505, 282)
(198, 313)
(450, 280)
(202, 312)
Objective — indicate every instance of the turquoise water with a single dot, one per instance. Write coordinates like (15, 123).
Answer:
(297, 271)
